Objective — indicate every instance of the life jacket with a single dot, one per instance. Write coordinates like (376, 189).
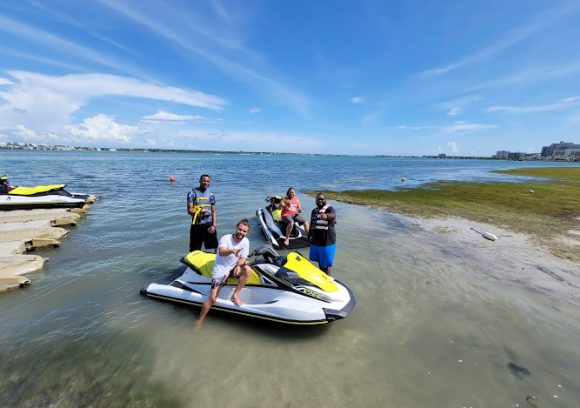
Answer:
(200, 204)
(277, 214)
(317, 222)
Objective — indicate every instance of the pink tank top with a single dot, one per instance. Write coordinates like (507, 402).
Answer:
(293, 210)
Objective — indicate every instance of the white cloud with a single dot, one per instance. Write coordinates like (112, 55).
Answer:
(54, 42)
(163, 116)
(458, 127)
(44, 102)
(5, 81)
(453, 147)
(255, 110)
(456, 110)
(18, 133)
(515, 36)
(102, 128)
(357, 99)
(405, 127)
(457, 106)
(563, 104)
(197, 37)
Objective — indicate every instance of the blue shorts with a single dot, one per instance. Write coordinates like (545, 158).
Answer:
(324, 255)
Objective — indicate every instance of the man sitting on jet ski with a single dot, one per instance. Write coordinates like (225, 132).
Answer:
(233, 250)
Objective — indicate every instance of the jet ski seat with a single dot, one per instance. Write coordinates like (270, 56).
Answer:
(31, 191)
(278, 226)
(202, 263)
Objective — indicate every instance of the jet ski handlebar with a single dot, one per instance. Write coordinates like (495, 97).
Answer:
(266, 253)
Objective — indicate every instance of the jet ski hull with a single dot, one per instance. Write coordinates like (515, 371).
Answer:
(267, 301)
(9, 202)
(26, 198)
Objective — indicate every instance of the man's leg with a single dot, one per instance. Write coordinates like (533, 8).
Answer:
(207, 304)
(326, 258)
(243, 279)
(195, 240)
(210, 240)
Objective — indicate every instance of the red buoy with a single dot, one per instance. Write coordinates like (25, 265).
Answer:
(171, 179)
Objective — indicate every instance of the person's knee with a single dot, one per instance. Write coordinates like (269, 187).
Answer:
(246, 270)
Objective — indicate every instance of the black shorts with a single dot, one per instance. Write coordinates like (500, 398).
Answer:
(287, 219)
(199, 235)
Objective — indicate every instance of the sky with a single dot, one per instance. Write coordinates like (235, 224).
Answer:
(368, 77)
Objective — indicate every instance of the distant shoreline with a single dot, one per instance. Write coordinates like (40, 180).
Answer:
(250, 153)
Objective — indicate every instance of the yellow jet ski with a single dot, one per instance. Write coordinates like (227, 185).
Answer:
(281, 289)
(49, 196)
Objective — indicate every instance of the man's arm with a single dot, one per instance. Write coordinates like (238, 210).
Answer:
(190, 201)
(212, 228)
(228, 251)
(330, 215)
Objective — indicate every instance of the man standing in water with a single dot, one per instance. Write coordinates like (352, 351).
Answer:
(322, 234)
(201, 207)
(233, 250)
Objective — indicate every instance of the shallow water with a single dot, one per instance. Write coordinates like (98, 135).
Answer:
(431, 326)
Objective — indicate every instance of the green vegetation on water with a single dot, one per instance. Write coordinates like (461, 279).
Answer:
(544, 209)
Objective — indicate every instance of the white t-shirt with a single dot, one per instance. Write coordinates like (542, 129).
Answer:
(224, 264)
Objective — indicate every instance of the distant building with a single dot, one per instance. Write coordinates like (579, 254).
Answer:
(565, 151)
(501, 154)
(516, 156)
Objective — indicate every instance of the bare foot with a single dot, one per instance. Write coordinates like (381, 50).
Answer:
(286, 242)
(197, 326)
(236, 300)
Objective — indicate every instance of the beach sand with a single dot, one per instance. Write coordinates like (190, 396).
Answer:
(512, 257)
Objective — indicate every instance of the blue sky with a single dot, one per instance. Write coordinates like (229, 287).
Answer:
(342, 77)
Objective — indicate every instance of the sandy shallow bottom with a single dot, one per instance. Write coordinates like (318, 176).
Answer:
(512, 257)
(444, 318)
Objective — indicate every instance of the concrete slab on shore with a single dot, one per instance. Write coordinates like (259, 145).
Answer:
(57, 217)
(26, 230)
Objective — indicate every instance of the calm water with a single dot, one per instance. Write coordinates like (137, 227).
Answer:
(431, 328)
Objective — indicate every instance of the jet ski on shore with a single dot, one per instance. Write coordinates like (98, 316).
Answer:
(275, 231)
(282, 289)
(50, 196)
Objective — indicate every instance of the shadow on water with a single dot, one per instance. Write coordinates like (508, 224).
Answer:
(105, 370)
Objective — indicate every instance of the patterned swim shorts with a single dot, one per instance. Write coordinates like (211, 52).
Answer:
(219, 281)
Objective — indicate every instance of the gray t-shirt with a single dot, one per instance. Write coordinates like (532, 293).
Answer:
(224, 264)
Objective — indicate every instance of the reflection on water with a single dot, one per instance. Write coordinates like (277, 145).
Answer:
(432, 326)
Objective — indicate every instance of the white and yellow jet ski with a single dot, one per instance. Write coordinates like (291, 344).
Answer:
(50, 196)
(282, 289)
